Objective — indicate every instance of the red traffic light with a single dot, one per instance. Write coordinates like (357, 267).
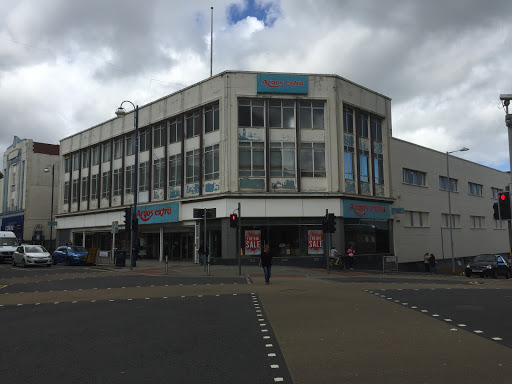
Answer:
(233, 220)
(502, 196)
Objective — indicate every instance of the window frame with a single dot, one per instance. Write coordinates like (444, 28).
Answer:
(284, 106)
(158, 135)
(211, 124)
(364, 166)
(118, 148)
(130, 144)
(453, 182)
(175, 130)
(144, 140)
(175, 165)
(363, 121)
(211, 162)
(106, 184)
(193, 123)
(144, 176)
(117, 178)
(348, 112)
(312, 149)
(94, 186)
(413, 175)
(129, 172)
(192, 166)
(475, 189)
(256, 150)
(106, 152)
(281, 151)
(85, 188)
(158, 173)
(85, 158)
(311, 110)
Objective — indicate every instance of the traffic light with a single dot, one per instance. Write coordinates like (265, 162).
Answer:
(496, 211)
(331, 223)
(233, 220)
(127, 221)
(504, 203)
(325, 224)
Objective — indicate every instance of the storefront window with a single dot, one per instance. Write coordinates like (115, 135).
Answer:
(367, 236)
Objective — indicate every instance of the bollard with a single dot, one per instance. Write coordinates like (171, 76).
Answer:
(166, 264)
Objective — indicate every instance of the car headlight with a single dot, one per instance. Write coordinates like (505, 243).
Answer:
(489, 267)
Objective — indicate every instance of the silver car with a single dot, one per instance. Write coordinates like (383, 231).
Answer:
(26, 255)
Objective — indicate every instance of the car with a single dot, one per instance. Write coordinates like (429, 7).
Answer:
(27, 254)
(70, 254)
(489, 265)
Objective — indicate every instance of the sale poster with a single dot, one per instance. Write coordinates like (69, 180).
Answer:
(253, 243)
(315, 242)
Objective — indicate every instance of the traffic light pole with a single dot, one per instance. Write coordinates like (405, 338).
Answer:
(238, 236)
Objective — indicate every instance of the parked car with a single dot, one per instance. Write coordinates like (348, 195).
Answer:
(489, 265)
(26, 255)
(70, 254)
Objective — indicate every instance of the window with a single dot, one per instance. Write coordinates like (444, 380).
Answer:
(67, 168)
(495, 192)
(85, 158)
(378, 165)
(376, 129)
(312, 114)
(144, 176)
(118, 148)
(443, 184)
(312, 160)
(105, 156)
(158, 136)
(76, 161)
(211, 118)
(251, 113)
(175, 130)
(416, 219)
(130, 144)
(192, 166)
(211, 162)
(282, 159)
(95, 155)
(348, 120)
(477, 222)
(118, 186)
(413, 177)
(455, 220)
(362, 124)
(282, 113)
(129, 178)
(144, 140)
(192, 124)
(105, 185)
(66, 192)
(364, 175)
(475, 189)
(74, 191)
(349, 162)
(251, 158)
(158, 173)
(498, 224)
(175, 170)
(85, 188)
(94, 187)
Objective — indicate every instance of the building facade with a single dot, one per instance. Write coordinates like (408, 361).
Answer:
(26, 190)
(286, 147)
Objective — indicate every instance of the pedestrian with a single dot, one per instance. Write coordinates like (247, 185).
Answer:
(350, 259)
(426, 262)
(266, 263)
(432, 262)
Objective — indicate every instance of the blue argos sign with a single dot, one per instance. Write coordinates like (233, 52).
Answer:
(365, 209)
(273, 83)
(161, 213)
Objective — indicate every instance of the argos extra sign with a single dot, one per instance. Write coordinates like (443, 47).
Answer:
(161, 213)
(365, 209)
(282, 84)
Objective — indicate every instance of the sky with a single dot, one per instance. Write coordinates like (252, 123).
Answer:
(66, 65)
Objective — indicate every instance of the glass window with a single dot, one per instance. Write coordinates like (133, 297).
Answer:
(251, 158)
(144, 140)
(376, 128)
(118, 186)
(158, 136)
(364, 174)
(378, 165)
(67, 167)
(76, 161)
(95, 155)
(211, 118)
(443, 184)
(348, 120)
(105, 152)
(477, 222)
(282, 159)
(192, 166)
(349, 162)
(130, 144)
(211, 162)
(94, 187)
(174, 170)
(312, 159)
(495, 192)
(193, 123)
(85, 188)
(312, 114)
(410, 176)
(74, 191)
(158, 173)
(251, 113)
(445, 222)
(144, 176)
(105, 185)
(362, 124)
(118, 148)
(66, 192)
(129, 178)
(475, 189)
(416, 219)
(85, 158)
(175, 130)
(282, 113)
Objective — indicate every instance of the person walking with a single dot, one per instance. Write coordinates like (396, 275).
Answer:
(266, 263)
(432, 263)
(426, 262)
(350, 260)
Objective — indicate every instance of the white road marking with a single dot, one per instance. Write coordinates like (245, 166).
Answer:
(111, 300)
(405, 303)
(424, 310)
(271, 354)
(266, 337)
(461, 325)
(453, 329)
(199, 295)
(258, 310)
(261, 319)
(259, 314)
(414, 307)
(235, 294)
(478, 331)
(264, 330)
(276, 379)
(447, 319)
(268, 345)
(436, 315)
(497, 338)
(274, 366)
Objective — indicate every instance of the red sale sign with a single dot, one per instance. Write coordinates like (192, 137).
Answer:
(253, 243)
(315, 242)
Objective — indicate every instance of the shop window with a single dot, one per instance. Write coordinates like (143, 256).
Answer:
(282, 159)
(251, 158)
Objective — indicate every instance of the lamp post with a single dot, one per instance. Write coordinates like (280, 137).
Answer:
(135, 221)
(463, 149)
(46, 170)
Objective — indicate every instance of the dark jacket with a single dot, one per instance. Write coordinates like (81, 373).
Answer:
(266, 259)
(432, 260)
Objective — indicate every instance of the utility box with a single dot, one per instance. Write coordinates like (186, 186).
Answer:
(120, 257)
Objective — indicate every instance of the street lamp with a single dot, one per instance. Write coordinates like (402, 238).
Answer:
(120, 112)
(46, 170)
(463, 149)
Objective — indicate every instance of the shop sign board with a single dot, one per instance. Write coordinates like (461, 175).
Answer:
(253, 243)
(359, 209)
(159, 213)
(315, 242)
(274, 83)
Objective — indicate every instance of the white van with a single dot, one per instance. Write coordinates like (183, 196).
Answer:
(8, 245)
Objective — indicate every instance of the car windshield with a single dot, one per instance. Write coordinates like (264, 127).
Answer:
(9, 241)
(485, 258)
(77, 249)
(35, 249)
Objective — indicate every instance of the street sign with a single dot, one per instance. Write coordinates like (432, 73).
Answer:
(115, 227)
(52, 223)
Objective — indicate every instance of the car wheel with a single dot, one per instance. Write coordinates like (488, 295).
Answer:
(23, 264)
(507, 275)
